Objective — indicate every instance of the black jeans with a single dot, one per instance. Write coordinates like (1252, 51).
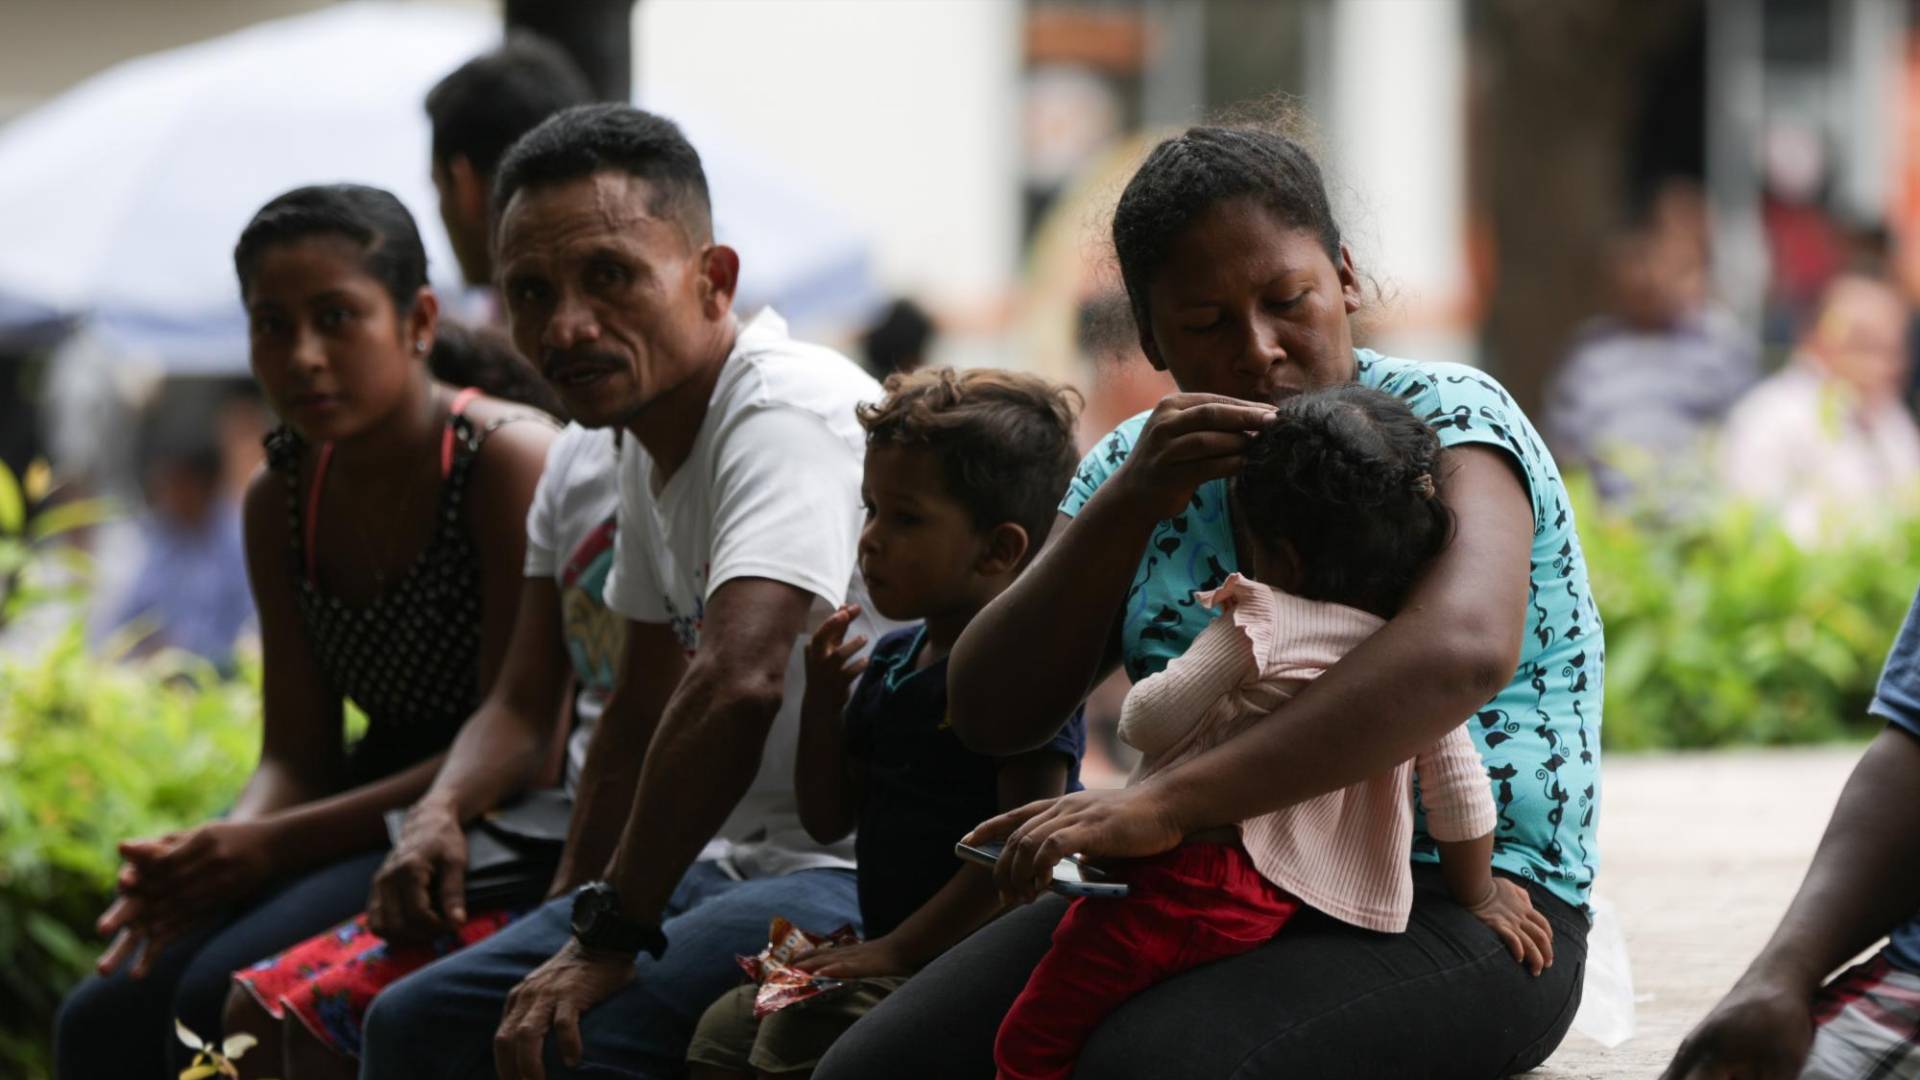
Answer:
(1323, 999)
(122, 1028)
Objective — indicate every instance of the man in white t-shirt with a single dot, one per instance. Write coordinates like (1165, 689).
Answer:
(739, 516)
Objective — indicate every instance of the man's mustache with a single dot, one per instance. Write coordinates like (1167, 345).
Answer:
(556, 363)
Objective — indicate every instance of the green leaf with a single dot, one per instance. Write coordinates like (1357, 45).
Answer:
(79, 514)
(13, 506)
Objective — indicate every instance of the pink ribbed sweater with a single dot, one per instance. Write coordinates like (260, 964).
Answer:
(1347, 852)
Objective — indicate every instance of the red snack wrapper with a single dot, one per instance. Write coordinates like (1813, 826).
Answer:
(782, 984)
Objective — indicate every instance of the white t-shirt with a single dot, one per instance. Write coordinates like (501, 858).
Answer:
(771, 489)
(570, 534)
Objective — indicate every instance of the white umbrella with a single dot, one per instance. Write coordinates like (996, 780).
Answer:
(120, 201)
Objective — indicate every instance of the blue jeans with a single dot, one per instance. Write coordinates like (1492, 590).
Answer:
(439, 1021)
(122, 1027)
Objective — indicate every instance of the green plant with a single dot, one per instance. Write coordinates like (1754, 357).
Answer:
(91, 752)
(1720, 630)
(212, 1059)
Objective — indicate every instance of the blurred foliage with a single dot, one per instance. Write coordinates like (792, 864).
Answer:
(91, 752)
(1721, 630)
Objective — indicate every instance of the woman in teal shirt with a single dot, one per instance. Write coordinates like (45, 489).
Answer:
(1242, 289)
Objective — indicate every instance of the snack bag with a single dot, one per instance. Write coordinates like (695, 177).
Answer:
(781, 984)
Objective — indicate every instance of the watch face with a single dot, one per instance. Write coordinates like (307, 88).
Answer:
(589, 905)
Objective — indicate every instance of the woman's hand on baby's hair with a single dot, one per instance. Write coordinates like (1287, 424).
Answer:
(1188, 440)
(831, 668)
(1511, 915)
(1120, 823)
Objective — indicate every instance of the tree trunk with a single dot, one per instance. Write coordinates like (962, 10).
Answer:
(1556, 91)
(596, 33)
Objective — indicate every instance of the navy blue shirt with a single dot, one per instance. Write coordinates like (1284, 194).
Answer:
(923, 789)
(1898, 702)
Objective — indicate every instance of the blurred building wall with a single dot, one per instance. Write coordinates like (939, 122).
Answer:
(906, 113)
(1399, 144)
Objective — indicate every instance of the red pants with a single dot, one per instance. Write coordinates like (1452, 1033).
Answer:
(1195, 904)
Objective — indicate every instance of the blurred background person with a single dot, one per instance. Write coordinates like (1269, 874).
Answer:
(190, 590)
(485, 359)
(477, 112)
(899, 341)
(1648, 381)
(1828, 440)
(1806, 246)
(1121, 382)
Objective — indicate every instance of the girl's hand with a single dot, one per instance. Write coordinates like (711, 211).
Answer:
(831, 668)
(1189, 440)
(865, 959)
(1510, 914)
(1124, 823)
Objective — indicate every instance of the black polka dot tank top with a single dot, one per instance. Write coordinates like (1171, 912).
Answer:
(408, 658)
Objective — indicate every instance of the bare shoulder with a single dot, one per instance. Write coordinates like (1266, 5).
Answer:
(264, 508)
(515, 434)
(507, 467)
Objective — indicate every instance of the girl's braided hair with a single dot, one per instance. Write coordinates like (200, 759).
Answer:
(1346, 476)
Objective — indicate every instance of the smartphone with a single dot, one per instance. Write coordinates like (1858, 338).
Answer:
(1071, 877)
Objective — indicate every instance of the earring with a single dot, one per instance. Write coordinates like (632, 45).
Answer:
(420, 347)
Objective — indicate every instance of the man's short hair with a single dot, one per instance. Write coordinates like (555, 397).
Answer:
(1004, 440)
(587, 139)
(488, 102)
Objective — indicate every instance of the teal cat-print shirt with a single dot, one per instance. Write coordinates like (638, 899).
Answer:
(1539, 737)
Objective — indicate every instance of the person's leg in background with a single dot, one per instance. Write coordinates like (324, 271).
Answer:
(440, 1021)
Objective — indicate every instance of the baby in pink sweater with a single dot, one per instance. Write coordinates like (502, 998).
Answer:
(1339, 500)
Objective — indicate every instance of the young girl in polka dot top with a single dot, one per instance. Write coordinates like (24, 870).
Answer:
(1338, 497)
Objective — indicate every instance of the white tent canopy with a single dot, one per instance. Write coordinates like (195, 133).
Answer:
(120, 201)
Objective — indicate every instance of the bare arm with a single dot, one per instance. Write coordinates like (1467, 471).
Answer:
(826, 782)
(421, 886)
(1865, 875)
(1863, 881)
(302, 747)
(1468, 867)
(1058, 624)
(503, 746)
(603, 794)
(710, 738)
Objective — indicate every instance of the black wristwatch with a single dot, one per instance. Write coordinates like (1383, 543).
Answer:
(598, 924)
